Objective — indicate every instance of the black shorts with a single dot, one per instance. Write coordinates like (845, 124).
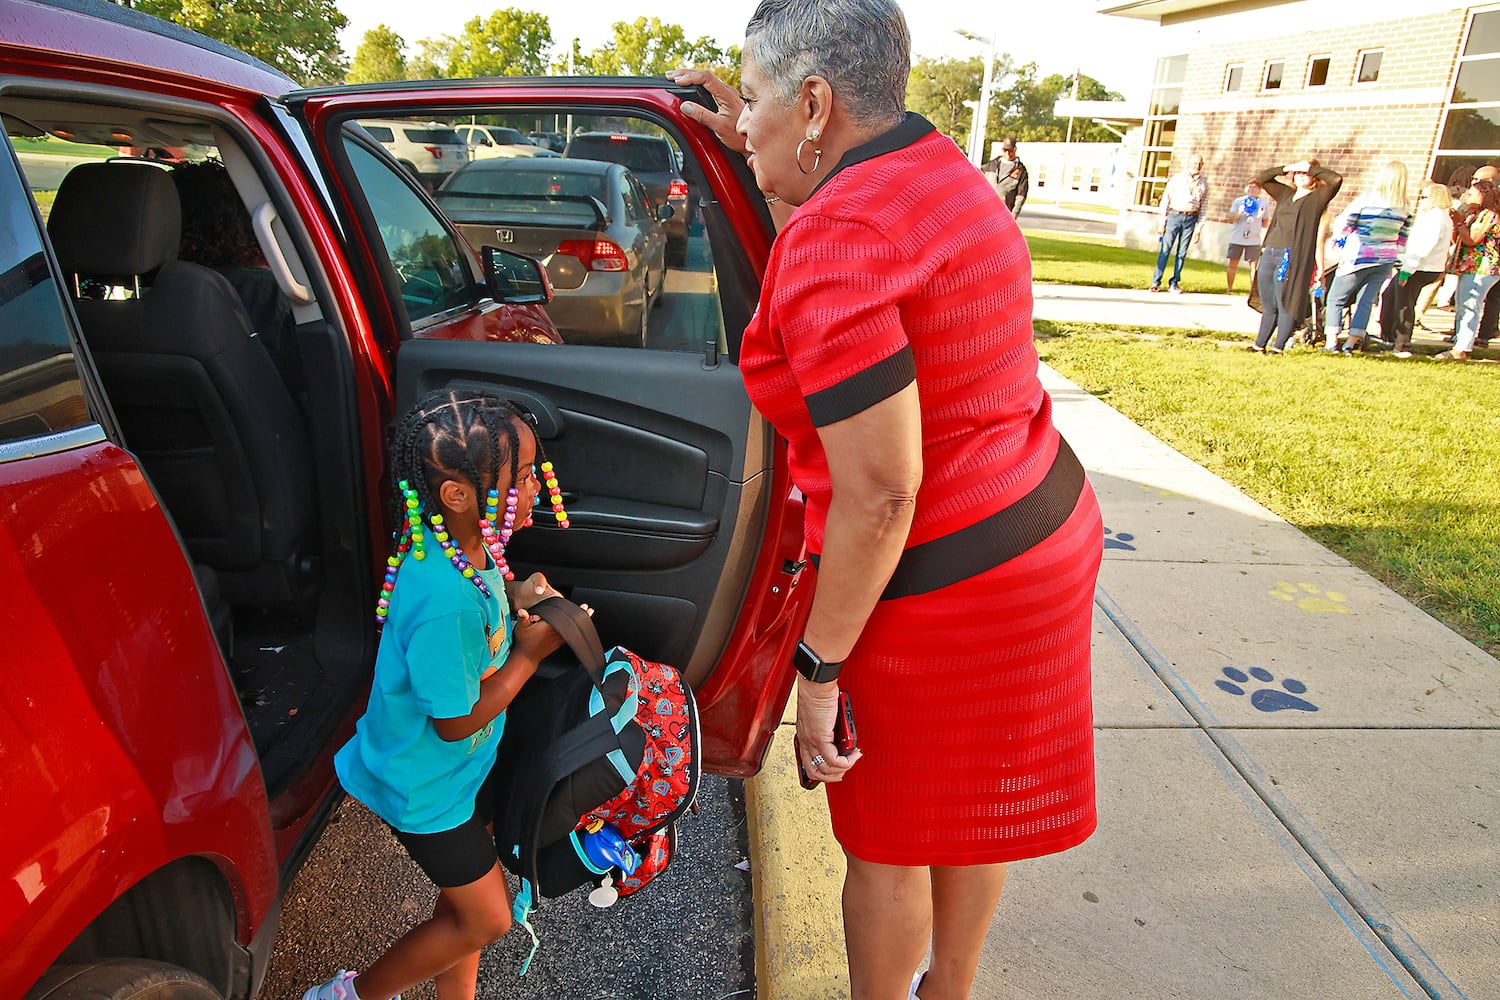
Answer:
(464, 854)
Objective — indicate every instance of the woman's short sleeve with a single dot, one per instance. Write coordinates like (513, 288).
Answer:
(837, 306)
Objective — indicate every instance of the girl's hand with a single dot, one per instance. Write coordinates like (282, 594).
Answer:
(525, 593)
(534, 638)
(724, 122)
(817, 705)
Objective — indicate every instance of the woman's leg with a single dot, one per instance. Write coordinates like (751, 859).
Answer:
(1270, 297)
(465, 920)
(1421, 285)
(1345, 284)
(963, 904)
(1368, 283)
(1467, 303)
(887, 925)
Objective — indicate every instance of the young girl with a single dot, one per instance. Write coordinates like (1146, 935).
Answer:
(451, 658)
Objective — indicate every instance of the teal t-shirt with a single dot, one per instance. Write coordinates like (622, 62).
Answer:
(440, 637)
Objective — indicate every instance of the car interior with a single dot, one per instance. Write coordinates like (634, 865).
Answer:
(257, 458)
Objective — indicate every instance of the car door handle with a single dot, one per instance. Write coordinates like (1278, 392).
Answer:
(545, 418)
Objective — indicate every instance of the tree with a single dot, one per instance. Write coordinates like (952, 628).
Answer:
(938, 88)
(508, 42)
(647, 47)
(298, 37)
(379, 57)
(1028, 102)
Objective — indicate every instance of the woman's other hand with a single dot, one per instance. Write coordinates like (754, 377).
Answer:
(817, 705)
(722, 122)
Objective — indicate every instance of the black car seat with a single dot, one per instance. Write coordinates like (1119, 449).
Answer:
(200, 402)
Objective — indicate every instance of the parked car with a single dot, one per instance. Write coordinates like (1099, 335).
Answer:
(650, 158)
(554, 141)
(589, 222)
(192, 552)
(430, 150)
(489, 141)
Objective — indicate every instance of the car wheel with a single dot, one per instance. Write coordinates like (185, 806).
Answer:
(122, 979)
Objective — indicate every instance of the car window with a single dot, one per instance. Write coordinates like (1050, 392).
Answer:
(433, 136)
(427, 261)
(509, 137)
(629, 279)
(381, 133)
(40, 388)
(640, 153)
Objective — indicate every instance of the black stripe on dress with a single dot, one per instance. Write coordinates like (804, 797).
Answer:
(863, 389)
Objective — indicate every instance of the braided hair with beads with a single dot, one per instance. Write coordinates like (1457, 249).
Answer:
(453, 434)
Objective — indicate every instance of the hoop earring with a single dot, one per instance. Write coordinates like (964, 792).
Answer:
(817, 156)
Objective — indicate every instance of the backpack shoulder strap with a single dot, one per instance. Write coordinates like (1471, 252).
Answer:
(577, 630)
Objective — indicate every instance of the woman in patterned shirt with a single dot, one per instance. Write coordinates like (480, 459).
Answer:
(1373, 230)
(1478, 266)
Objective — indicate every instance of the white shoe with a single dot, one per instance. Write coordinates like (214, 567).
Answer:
(340, 987)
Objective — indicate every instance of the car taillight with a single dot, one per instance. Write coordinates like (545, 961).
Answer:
(597, 255)
(677, 189)
(436, 151)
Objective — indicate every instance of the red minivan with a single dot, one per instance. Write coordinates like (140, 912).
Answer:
(196, 511)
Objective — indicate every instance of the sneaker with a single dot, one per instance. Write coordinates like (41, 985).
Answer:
(1175, 290)
(1402, 354)
(1273, 350)
(1346, 352)
(1153, 288)
(1330, 350)
(1256, 350)
(340, 987)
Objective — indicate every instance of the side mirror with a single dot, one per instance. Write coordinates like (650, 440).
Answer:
(663, 213)
(515, 279)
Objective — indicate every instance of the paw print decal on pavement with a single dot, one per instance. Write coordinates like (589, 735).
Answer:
(1267, 699)
(1308, 597)
(1118, 541)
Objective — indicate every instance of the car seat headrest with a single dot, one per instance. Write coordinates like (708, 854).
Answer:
(112, 220)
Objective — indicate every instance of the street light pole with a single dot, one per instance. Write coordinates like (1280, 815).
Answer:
(982, 112)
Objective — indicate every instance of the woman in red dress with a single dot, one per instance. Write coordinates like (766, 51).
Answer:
(956, 537)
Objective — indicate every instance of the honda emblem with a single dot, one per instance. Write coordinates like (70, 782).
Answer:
(505, 235)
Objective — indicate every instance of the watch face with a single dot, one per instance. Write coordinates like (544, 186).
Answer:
(812, 667)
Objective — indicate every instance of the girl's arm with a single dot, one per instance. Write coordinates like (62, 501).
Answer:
(532, 641)
(1476, 230)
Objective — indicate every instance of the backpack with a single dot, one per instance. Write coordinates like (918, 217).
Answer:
(598, 758)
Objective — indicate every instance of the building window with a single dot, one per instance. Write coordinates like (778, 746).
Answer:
(1274, 72)
(1233, 77)
(1369, 66)
(1039, 176)
(1317, 71)
(1160, 130)
(1470, 136)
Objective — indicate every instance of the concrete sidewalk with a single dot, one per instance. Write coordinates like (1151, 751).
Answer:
(1298, 773)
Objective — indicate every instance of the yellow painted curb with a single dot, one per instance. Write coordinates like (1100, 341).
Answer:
(797, 873)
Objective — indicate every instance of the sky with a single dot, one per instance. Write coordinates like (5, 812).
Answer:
(1058, 35)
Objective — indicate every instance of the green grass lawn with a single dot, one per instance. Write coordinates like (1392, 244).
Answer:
(1393, 465)
(1068, 259)
(61, 147)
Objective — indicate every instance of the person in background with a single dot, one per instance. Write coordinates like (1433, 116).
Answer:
(1011, 177)
(1290, 249)
(1489, 317)
(892, 349)
(1373, 232)
(1246, 229)
(1182, 205)
(1478, 266)
(1421, 266)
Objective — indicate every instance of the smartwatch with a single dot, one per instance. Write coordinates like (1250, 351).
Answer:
(814, 667)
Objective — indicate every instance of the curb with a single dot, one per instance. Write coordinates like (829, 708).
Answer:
(797, 877)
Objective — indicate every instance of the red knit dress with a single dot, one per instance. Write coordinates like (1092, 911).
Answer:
(972, 701)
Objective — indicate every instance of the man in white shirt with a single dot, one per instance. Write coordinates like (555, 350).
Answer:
(1181, 205)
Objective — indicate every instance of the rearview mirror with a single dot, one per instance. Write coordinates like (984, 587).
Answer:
(515, 279)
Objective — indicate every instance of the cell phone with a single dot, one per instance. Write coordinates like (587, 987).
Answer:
(844, 738)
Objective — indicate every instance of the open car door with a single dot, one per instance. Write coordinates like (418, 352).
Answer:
(685, 536)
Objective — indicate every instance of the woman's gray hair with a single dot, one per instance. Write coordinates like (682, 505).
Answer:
(861, 47)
